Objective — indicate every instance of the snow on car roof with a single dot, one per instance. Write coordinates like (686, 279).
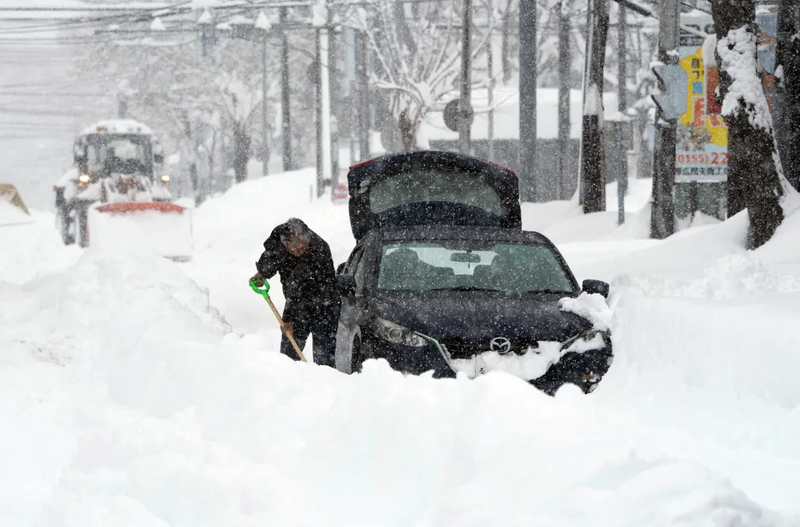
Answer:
(118, 126)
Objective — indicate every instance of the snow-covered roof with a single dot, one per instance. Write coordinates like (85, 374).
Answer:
(118, 126)
(506, 115)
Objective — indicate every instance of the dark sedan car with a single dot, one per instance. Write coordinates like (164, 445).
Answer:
(443, 278)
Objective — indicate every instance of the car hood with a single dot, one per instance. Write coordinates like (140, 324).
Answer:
(480, 315)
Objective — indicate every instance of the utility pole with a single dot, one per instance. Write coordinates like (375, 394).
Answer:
(263, 26)
(323, 98)
(490, 88)
(593, 170)
(465, 103)
(662, 220)
(334, 96)
(264, 118)
(286, 114)
(622, 106)
(527, 100)
(564, 124)
(362, 88)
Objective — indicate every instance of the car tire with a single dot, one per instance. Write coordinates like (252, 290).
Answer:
(356, 357)
(64, 224)
(82, 220)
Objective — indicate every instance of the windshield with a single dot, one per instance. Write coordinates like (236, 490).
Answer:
(121, 154)
(472, 265)
(422, 186)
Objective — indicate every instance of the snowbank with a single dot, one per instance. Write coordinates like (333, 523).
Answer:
(176, 423)
(33, 250)
(127, 400)
(10, 215)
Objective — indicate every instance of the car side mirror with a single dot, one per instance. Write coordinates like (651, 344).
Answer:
(347, 284)
(158, 158)
(596, 287)
(340, 268)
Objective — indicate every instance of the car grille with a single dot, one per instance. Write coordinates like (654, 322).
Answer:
(466, 348)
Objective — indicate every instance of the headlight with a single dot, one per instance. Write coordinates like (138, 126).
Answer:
(84, 179)
(165, 178)
(397, 334)
(586, 341)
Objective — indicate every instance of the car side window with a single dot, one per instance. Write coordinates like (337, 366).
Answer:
(359, 272)
(350, 266)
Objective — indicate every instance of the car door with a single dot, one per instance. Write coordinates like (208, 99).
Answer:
(349, 315)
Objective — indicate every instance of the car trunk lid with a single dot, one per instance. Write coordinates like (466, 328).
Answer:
(432, 188)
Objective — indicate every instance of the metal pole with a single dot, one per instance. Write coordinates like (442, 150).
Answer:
(325, 108)
(662, 220)
(465, 103)
(288, 162)
(527, 100)
(622, 106)
(334, 95)
(564, 124)
(362, 83)
(490, 71)
(264, 117)
(318, 112)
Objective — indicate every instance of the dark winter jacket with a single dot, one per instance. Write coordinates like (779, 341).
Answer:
(308, 281)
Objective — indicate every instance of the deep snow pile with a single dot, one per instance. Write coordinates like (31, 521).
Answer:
(33, 249)
(128, 401)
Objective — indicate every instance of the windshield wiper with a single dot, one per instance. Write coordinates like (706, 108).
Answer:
(549, 292)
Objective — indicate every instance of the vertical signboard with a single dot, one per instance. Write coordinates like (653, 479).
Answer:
(702, 139)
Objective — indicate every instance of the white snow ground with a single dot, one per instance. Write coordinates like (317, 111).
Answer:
(138, 392)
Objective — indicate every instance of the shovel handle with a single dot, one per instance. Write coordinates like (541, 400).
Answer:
(288, 335)
(264, 291)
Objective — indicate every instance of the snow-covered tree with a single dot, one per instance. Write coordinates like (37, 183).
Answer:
(209, 102)
(755, 177)
(417, 54)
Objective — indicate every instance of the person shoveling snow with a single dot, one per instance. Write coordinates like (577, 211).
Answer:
(305, 264)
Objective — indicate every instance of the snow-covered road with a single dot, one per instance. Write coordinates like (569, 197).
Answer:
(138, 392)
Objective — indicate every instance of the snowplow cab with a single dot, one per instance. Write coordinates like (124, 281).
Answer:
(124, 147)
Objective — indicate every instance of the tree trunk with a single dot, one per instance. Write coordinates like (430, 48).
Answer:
(408, 131)
(788, 101)
(241, 152)
(753, 175)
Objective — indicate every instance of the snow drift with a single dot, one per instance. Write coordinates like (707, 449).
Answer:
(127, 400)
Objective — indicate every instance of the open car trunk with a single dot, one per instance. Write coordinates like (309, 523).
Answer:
(431, 188)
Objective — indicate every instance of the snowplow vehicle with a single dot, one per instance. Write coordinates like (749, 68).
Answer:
(443, 279)
(117, 193)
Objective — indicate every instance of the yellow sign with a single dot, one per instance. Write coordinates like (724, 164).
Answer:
(702, 149)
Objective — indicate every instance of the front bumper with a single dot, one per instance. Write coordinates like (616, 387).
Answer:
(547, 370)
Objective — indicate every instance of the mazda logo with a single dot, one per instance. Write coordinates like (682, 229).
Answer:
(500, 344)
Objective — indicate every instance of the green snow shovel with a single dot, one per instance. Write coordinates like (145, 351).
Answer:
(264, 291)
